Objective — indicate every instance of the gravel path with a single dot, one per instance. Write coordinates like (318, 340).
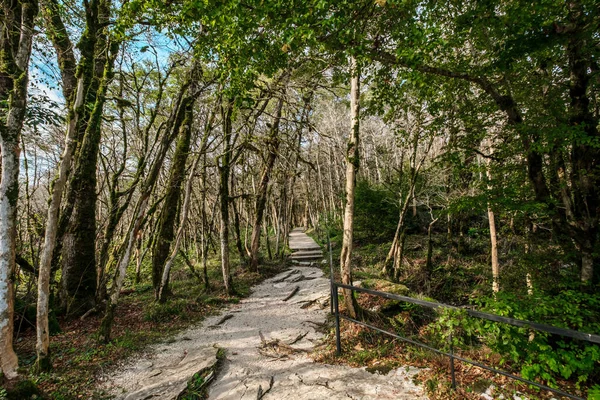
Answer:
(266, 339)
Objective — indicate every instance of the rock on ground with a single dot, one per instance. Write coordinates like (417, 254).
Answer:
(167, 377)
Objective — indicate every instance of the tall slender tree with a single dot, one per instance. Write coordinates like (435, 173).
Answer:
(224, 165)
(352, 165)
(16, 35)
(273, 142)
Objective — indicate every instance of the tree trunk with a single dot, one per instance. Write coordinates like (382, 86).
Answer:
(79, 244)
(139, 215)
(205, 232)
(395, 254)
(352, 164)
(585, 157)
(50, 236)
(429, 263)
(494, 252)
(8, 214)
(237, 229)
(78, 280)
(184, 216)
(139, 257)
(414, 207)
(399, 255)
(17, 28)
(267, 241)
(460, 246)
(261, 196)
(493, 237)
(224, 169)
(529, 229)
(165, 232)
(587, 265)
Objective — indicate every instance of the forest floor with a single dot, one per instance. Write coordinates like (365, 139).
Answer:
(79, 360)
(267, 341)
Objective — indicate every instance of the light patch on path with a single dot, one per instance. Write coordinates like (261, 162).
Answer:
(285, 372)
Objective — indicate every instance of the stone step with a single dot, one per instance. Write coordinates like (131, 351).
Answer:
(312, 257)
(307, 253)
(303, 263)
(305, 247)
(305, 250)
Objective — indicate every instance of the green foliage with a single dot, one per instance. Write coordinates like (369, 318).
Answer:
(451, 329)
(196, 389)
(41, 113)
(542, 355)
(210, 299)
(408, 318)
(539, 355)
(376, 211)
(594, 393)
(26, 315)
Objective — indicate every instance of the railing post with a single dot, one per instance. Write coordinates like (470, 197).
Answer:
(331, 277)
(338, 343)
(452, 363)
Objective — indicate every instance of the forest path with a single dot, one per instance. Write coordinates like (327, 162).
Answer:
(266, 339)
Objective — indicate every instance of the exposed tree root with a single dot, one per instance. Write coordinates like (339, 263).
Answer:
(289, 296)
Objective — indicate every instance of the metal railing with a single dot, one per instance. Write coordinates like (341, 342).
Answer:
(335, 286)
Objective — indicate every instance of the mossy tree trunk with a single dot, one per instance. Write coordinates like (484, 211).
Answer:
(166, 223)
(78, 279)
(186, 203)
(140, 213)
(237, 231)
(73, 88)
(429, 262)
(120, 199)
(16, 35)
(493, 235)
(179, 237)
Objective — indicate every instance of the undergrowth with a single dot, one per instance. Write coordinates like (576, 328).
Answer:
(464, 280)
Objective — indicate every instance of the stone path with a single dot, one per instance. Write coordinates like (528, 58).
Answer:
(266, 339)
(305, 250)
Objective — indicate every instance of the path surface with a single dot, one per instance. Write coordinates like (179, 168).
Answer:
(305, 250)
(266, 340)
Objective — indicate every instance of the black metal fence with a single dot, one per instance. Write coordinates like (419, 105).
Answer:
(335, 286)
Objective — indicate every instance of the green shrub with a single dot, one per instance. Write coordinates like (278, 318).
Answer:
(376, 211)
(452, 329)
(538, 355)
(541, 355)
